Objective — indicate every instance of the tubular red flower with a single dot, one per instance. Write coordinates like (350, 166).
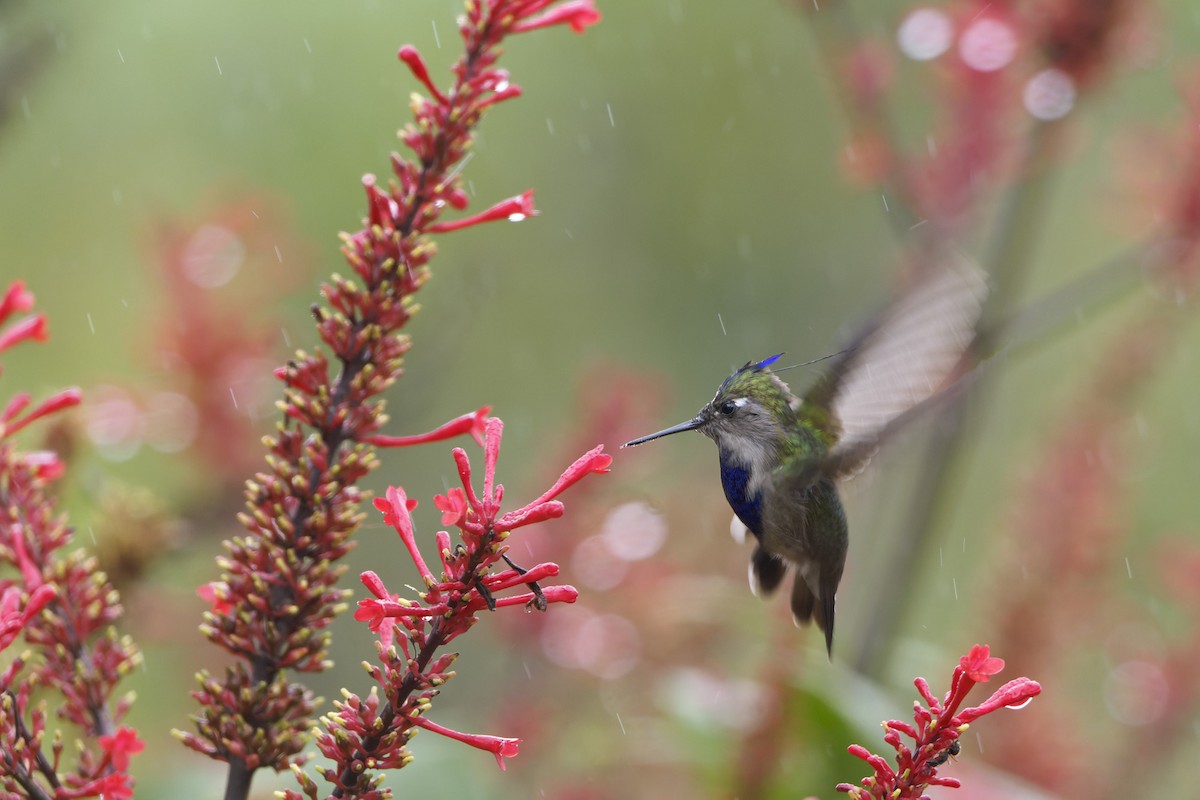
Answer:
(51, 405)
(375, 585)
(529, 515)
(29, 570)
(507, 93)
(464, 474)
(592, 461)
(216, 593)
(578, 14)
(17, 298)
(979, 665)
(121, 745)
(453, 506)
(1014, 693)
(29, 328)
(562, 593)
(14, 618)
(395, 507)
(498, 746)
(409, 55)
(472, 423)
(376, 612)
(514, 208)
(510, 577)
(491, 454)
(114, 785)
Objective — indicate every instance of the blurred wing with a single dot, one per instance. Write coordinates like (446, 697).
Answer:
(897, 362)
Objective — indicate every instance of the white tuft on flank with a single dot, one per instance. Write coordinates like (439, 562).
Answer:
(753, 579)
(738, 530)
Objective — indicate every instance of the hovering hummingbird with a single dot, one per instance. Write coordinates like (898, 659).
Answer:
(782, 456)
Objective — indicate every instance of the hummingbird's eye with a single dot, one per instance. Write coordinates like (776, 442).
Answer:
(727, 408)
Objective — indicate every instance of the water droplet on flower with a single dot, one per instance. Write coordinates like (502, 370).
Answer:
(1049, 95)
(987, 45)
(516, 217)
(501, 86)
(1020, 705)
(925, 34)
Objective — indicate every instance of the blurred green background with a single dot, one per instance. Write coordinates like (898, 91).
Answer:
(694, 215)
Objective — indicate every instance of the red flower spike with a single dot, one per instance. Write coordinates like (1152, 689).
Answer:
(513, 209)
(409, 55)
(935, 732)
(472, 423)
(578, 14)
(498, 746)
(301, 516)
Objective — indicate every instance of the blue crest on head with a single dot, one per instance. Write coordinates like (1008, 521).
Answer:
(766, 362)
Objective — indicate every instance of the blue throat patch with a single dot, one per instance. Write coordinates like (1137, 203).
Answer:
(735, 479)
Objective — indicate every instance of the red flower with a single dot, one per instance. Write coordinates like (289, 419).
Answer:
(29, 328)
(472, 423)
(409, 55)
(16, 298)
(9, 424)
(113, 786)
(935, 731)
(453, 506)
(514, 209)
(498, 746)
(395, 507)
(979, 665)
(14, 618)
(579, 14)
(121, 745)
(216, 593)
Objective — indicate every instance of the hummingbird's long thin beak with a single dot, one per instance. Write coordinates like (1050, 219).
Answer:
(690, 425)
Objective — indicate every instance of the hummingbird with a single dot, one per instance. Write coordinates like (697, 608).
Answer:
(782, 456)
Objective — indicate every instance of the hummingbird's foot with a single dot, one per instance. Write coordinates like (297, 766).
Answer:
(538, 601)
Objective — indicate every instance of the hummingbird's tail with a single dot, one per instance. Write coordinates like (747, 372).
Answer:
(807, 608)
